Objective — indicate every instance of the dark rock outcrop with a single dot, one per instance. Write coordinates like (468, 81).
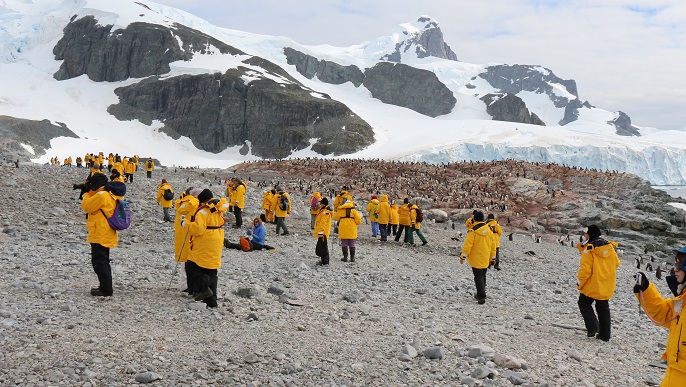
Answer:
(515, 78)
(510, 108)
(138, 51)
(428, 42)
(406, 86)
(217, 111)
(623, 125)
(16, 131)
(324, 70)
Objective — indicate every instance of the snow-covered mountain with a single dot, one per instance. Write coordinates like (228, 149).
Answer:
(141, 78)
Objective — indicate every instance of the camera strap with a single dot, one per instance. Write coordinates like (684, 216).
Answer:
(642, 301)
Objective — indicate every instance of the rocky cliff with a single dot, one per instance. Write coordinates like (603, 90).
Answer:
(509, 107)
(16, 132)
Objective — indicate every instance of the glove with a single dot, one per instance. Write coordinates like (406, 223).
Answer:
(462, 258)
(641, 283)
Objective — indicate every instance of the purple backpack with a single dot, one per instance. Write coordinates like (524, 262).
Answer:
(121, 218)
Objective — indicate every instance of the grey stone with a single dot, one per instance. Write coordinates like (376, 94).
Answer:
(410, 351)
(433, 353)
(480, 372)
(147, 377)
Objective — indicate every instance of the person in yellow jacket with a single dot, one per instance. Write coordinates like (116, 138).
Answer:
(383, 216)
(99, 203)
(666, 312)
(237, 200)
(470, 221)
(343, 195)
(314, 207)
(149, 167)
(405, 221)
(479, 251)
(129, 170)
(497, 232)
(348, 219)
(373, 219)
(416, 226)
(280, 212)
(267, 198)
(597, 279)
(394, 220)
(185, 206)
(322, 230)
(166, 203)
(207, 243)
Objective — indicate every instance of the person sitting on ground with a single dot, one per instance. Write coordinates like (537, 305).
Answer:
(257, 235)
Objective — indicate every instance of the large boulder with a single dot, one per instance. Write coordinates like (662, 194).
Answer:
(510, 108)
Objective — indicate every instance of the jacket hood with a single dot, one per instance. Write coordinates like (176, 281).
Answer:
(117, 188)
(383, 198)
(480, 229)
(348, 204)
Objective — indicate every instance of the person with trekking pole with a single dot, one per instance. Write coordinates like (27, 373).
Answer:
(185, 205)
(666, 312)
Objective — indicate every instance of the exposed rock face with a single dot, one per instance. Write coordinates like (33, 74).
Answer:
(139, 50)
(428, 42)
(220, 111)
(515, 78)
(416, 89)
(15, 131)
(508, 107)
(324, 70)
(623, 125)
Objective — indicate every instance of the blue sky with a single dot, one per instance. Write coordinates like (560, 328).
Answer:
(624, 55)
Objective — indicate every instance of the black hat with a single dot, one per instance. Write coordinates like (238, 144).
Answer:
(205, 195)
(279, 188)
(97, 180)
(479, 216)
(490, 216)
(406, 200)
(324, 201)
(593, 232)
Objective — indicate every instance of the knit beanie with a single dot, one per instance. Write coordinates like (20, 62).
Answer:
(205, 195)
(478, 216)
(324, 201)
(97, 180)
(593, 232)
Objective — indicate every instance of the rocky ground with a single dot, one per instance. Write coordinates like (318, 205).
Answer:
(400, 315)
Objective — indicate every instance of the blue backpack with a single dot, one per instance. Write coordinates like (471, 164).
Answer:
(121, 218)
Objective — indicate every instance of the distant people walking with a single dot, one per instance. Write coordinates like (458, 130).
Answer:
(405, 221)
(282, 207)
(348, 219)
(597, 279)
(165, 195)
(322, 230)
(479, 251)
(99, 203)
(149, 167)
(497, 232)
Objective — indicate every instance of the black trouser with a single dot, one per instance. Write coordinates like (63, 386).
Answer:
(203, 279)
(322, 250)
(402, 228)
(165, 210)
(601, 324)
(281, 223)
(109, 168)
(392, 229)
(480, 282)
(149, 173)
(100, 258)
(189, 278)
(239, 217)
(129, 177)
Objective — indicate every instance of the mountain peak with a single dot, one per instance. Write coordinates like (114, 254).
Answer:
(418, 39)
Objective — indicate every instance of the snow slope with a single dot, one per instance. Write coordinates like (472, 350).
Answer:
(30, 29)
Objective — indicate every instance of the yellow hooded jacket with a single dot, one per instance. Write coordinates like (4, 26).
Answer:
(237, 196)
(207, 235)
(322, 222)
(185, 205)
(497, 231)
(347, 224)
(478, 246)
(99, 231)
(665, 312)
(160, 195)
(413, 217)
(598, 269)
(338, 200)
(383, 210)
(404, 215)
(275, 203)
(371, 206)
(395, 217)
(267, 200)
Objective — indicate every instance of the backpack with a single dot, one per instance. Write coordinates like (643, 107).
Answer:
(168, 194)
(420, 215)
(121, 218)
(315, 203)
(245, 244)
(283, 203)
(374, 211)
